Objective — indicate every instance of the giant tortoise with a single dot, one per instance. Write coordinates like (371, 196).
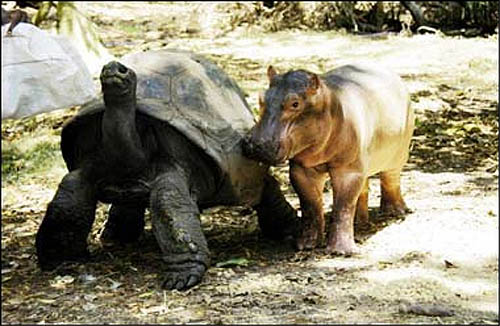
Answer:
(166, 136)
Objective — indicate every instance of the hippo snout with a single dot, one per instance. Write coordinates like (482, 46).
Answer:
(260, 150)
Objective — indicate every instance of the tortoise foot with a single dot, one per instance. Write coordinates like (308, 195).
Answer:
(50, 259)
(125, 225)
(184, 270)
(184, 276)
(120, 234)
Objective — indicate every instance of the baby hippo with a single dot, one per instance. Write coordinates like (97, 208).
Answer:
(348, 124)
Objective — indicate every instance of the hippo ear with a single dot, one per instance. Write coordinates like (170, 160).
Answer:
(261, 99)
(271, 72)
(313, 86)
(262, 104)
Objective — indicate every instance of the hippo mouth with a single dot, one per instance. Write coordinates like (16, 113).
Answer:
(264, 153)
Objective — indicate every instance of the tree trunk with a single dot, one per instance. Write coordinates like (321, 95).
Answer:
(73, 24)
(415, 11)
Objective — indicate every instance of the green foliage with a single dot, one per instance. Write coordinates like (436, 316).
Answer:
(27, 159)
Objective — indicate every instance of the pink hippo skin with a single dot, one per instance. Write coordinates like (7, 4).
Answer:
(348, 124)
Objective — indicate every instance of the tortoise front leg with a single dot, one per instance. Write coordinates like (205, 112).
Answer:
(177, 227)
(125, 223)
(62, 236)
(277, 218)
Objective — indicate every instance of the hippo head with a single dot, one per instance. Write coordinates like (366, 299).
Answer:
(288, 111)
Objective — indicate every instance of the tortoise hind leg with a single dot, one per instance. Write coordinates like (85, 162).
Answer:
(277, 218)
(62, 236)
(125, 224)
(177, 227)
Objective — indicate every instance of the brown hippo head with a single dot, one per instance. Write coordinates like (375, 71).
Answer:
(289, 112)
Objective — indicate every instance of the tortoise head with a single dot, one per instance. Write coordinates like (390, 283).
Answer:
(118, 82)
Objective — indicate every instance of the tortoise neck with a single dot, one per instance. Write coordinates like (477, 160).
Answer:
(121, 141)
(120, 103)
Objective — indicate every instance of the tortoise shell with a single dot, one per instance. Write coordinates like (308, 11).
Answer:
(194, 96)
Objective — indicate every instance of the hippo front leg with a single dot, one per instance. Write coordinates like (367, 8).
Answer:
(309, 184)
(62, 236)
(177, 227)
(347, 187)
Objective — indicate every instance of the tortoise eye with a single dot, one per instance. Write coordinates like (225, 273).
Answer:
(295, 104)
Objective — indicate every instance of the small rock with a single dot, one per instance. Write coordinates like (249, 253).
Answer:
(433, 310)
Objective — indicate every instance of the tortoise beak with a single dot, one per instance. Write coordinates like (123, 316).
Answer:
(116, 78)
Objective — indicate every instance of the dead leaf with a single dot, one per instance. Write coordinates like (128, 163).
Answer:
(87, 278)
(233, 262)
(89, 307)
(155, 309)
(449, 264)
(60, 282)
(114, 285)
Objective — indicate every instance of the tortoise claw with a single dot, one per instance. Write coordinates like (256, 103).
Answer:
(183, 277)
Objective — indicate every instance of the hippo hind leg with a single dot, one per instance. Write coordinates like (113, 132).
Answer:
(362, 219)
(124, 225)
(392, 203)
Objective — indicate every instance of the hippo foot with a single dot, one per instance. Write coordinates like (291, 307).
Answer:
(308, 239)
(396, 209)
(364, 226)
(362, 220)
(342, 245)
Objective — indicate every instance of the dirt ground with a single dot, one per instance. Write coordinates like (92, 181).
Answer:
(436, 265)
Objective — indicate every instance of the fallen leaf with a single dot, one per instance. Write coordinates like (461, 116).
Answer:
(90, 297)
(146, 294)
(114, 285)
(60, 282)
(87, 278)
(449, 264)
(233, 262)
(158, 309)
(89, 307)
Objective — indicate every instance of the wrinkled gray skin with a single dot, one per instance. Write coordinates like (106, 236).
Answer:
(167, 139)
